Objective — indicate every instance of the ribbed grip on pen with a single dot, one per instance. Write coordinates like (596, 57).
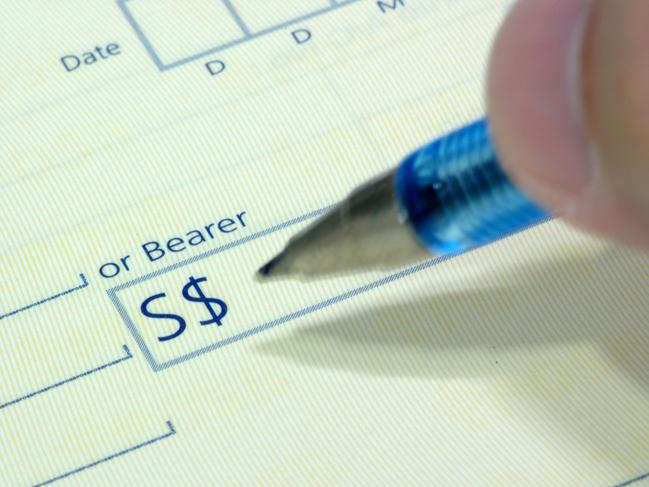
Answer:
(457, 196)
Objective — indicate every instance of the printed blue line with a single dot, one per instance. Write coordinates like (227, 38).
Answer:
(171, 432)
(140, 34)
(235, 243)
(248, 36)
(236, 17)
(303, 312)
(156, 366)
(49, 298)
(70, 379)
(326, 303)
(132, 328)
(257, 35)
(644, 476)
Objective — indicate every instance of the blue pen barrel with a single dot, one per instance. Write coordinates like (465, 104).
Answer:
(457, 196)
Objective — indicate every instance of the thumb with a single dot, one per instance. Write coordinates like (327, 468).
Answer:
(569, 110)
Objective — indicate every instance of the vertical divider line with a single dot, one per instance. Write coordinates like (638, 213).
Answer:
(237, 18)
(141, 35)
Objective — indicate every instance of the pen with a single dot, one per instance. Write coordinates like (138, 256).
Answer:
(445, 198)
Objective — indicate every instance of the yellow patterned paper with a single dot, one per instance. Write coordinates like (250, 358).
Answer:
(154, 153)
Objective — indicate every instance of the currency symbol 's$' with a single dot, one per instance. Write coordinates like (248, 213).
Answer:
(199, 297)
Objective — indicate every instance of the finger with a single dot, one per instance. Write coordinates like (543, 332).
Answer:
(566, 81)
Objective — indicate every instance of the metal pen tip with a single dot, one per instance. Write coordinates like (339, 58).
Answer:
(270, 269)
(365, 232)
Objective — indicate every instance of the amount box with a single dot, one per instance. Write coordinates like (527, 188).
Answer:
(171, 296)
(175, 32)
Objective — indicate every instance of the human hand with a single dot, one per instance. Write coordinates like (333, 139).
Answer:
(569, 110)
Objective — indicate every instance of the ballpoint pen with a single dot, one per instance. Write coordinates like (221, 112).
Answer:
(445, 198)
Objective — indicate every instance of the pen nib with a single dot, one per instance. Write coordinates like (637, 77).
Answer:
(271, 269)
(364, 232)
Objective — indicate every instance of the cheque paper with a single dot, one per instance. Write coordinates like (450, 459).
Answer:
(154, 153)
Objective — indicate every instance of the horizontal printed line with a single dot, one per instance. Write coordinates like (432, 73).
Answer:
(47, 299)
(644, 476)
(113, 293)
(171, 431)
(70, 379)
(236, 243)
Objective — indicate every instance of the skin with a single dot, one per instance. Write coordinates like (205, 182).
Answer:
(569, 109)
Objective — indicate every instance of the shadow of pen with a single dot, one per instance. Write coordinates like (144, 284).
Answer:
(598, 298)
(561, 344)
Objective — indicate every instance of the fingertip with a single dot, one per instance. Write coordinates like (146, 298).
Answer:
(575, 154)
(534, 100)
